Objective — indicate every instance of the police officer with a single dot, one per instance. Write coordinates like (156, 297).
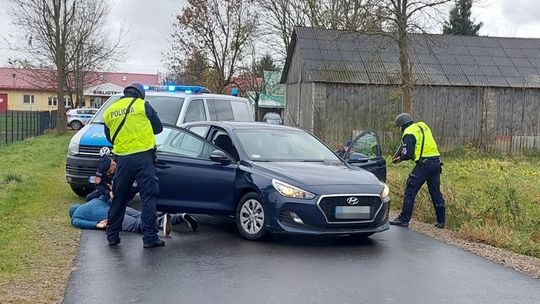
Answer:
(419, 145)
(104, 174)
(130, 125)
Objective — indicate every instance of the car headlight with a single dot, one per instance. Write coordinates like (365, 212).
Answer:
(386, 191)
(73, 148)
(291, 191)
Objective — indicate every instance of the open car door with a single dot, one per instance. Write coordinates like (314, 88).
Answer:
(366, 153)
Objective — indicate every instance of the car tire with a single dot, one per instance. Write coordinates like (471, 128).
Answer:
(81, 191)
(251, 217)
(76, 125)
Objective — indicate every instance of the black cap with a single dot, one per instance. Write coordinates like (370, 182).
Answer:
(104, 165)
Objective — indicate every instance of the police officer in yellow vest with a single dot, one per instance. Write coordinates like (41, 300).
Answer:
(419, 145)
(130, 125)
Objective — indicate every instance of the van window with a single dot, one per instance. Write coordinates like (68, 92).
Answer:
(195, 111)
(220, 110)
(241, 112)
(167, 107)
(199, 130)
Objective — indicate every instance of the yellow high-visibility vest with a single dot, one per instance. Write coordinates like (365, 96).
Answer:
(430, 146)
(136, 134)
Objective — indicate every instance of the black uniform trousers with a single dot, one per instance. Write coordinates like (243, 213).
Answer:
(427, 170)
(138, 167)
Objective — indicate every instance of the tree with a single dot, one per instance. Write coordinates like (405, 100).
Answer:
(460, 22)
(193, 69)
(403, 17)
(93, 50)
(221, 30)
(284, 15)
(253, 76)
(57, 31)
(266, 63)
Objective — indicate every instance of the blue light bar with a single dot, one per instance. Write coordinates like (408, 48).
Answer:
(174, 88)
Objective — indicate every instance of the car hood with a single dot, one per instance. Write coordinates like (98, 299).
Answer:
(317, 174)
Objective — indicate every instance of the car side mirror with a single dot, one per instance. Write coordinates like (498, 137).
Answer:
(357, 158)
(220, 157)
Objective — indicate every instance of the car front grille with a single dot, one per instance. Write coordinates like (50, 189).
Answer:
(89, 150)
(80, 170)
(328, 206)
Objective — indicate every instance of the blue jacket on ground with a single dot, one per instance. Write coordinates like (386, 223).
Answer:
(87, 215)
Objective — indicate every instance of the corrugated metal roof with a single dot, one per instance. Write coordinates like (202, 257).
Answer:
(353, 57)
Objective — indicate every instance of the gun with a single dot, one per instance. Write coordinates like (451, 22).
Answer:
(398, 152)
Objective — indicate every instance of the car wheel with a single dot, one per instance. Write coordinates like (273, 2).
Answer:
(75, 125)
(81, 191)
(251, 217)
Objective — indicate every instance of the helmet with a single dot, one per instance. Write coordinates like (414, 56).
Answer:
(136, 88)
(403, 119)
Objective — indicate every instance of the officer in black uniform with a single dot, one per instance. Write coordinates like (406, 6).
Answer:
(419, 145)
(130, 125)
(104, 176)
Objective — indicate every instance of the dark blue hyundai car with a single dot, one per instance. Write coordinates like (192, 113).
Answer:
(270, 178)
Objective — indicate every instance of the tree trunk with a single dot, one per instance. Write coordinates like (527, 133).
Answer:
(61, 127)
(407, 82)
(257, 106)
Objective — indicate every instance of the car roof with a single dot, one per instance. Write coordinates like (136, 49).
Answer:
(185, 95)
(240, 125)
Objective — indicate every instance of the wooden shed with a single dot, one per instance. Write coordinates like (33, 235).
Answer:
(483, 91)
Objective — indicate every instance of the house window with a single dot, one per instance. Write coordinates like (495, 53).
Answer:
(28, 99)
(53, 101)
(67, 101)
(124, 78)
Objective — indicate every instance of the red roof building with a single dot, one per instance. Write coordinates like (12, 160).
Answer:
(34, 89)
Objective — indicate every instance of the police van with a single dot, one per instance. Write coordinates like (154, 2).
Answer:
(175, 105)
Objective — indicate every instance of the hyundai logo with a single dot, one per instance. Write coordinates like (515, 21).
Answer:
(352, 200)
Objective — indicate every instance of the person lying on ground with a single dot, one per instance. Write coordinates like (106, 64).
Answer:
(93, 215)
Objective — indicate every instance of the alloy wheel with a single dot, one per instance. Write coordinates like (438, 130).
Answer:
(252, 216)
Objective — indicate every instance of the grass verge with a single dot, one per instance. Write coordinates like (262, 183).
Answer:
(37, 242)
(492, 199)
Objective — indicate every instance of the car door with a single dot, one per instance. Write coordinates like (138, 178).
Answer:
(366, 153)
(189, 180)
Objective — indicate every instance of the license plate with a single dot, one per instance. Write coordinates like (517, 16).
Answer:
(353, 212)
(92, 179)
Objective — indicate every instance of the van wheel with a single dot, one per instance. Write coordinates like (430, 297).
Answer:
(75, 125)
(251, 217)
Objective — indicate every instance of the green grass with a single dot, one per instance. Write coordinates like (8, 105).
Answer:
(490, 198)
(37, 242)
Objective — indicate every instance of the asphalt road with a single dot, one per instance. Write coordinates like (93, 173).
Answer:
(215, 265)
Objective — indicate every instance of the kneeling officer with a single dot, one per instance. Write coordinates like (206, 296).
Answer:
(419, 145)
(130, 125)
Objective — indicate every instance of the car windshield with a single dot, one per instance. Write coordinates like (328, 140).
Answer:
(167, 107)
(274, 145)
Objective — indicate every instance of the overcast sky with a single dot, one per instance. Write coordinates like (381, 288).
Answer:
(149, 25)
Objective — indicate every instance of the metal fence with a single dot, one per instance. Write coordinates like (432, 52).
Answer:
(19, 125)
